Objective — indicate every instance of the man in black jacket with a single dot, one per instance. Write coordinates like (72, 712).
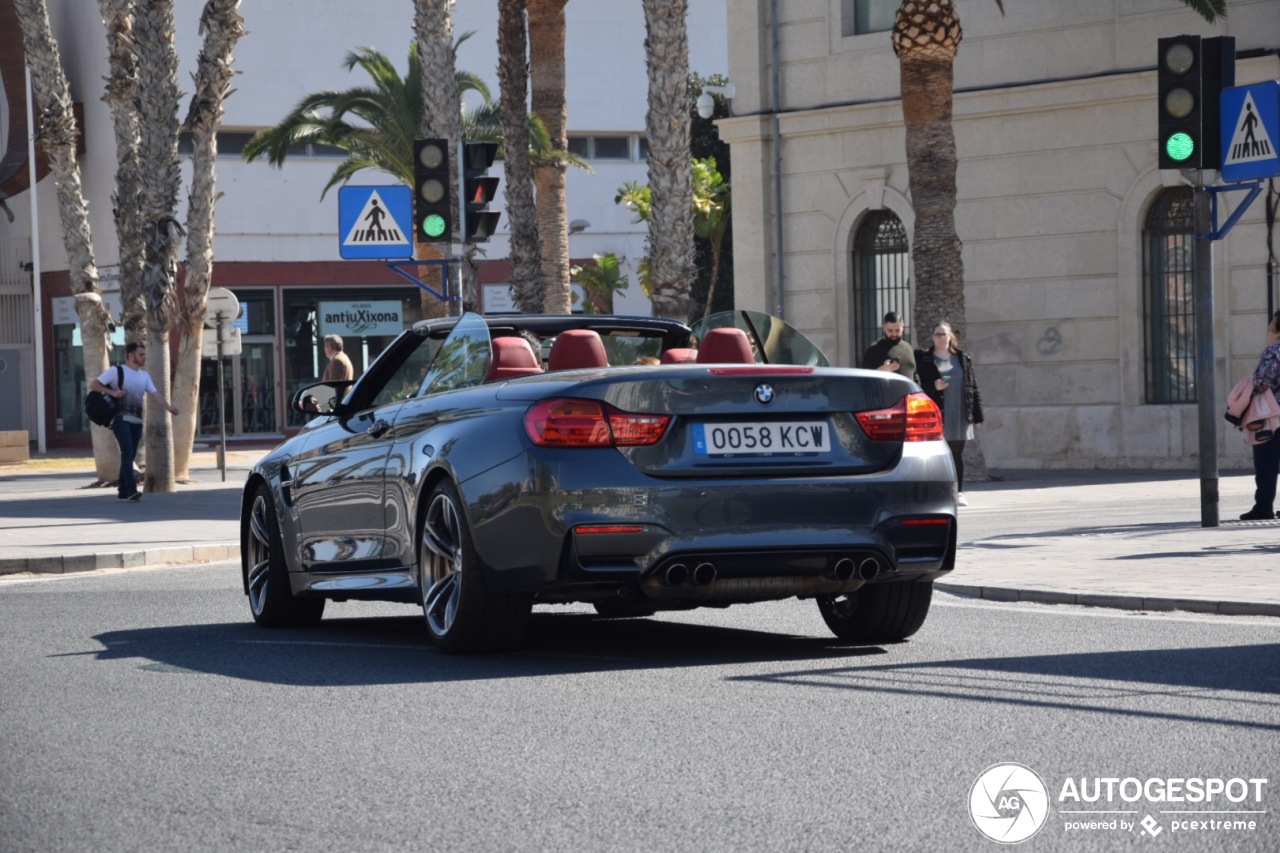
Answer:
(891, 352)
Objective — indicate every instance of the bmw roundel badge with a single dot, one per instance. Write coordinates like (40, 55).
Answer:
(764, 394)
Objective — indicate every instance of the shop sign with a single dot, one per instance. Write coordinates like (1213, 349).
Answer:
(363, 319)
(64, 309)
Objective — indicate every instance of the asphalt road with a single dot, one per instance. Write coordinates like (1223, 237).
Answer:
(141, 710)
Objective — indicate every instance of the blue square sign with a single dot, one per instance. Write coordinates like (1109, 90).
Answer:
(375, 222)
(1250, 130)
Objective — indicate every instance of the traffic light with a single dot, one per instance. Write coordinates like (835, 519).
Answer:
(1191, 74)
(432, 213)
(478, 190)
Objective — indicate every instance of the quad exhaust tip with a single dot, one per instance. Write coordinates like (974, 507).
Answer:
(704, 573)
(676, 574)
(868, 569)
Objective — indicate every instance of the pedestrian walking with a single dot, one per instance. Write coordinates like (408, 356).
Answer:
(127, 425)
(339, 367)
(946, 375)
(891, 353)
(1266, 456)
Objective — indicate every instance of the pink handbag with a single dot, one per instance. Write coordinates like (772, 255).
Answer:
(1257, 416)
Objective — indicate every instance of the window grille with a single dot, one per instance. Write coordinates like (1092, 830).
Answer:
(1169, 299)
(880, 278)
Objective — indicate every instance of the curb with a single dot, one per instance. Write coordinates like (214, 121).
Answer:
(172, 556)
(1114, 602)
(218, 553)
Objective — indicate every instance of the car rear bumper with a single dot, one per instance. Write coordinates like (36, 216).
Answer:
(758, 536)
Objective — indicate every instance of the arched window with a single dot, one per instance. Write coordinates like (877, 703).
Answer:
(880, 283)
(1169, 299)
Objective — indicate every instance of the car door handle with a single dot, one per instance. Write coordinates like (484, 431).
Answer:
(379, 427)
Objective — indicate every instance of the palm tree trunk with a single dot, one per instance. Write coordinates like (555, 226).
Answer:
(433, 29)
(58, 137)
(222, 27)
(158, 148)
(925, 37)
(547, 77)
(672, 266)
(513, 82)
(122, 96)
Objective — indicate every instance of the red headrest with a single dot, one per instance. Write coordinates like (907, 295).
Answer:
(725, 346)
(512, 357)
(679, 355)
(577, 348)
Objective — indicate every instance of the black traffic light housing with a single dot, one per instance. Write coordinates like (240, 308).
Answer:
(432, 213)
(478, 190)
(1191, 73)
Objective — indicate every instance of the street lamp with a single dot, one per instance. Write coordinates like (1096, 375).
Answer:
(706, 104)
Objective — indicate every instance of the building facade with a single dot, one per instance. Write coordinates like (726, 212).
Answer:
(1077, 248)
(276, 245)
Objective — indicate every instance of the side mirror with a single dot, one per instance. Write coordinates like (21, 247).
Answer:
(321, 398)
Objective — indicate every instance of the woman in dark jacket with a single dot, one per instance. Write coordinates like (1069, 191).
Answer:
(946, 375)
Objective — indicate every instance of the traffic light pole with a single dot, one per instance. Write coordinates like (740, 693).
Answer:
(1206, 396)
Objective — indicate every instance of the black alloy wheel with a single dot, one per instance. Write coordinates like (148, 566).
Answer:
(271, 601)
(462, 615)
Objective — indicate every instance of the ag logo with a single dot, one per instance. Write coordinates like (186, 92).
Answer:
(1008, 803)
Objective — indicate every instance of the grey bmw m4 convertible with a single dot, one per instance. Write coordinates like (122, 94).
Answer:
(483, 465)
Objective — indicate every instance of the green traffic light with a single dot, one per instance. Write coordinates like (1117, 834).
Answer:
(433, 225)
(1180, 146)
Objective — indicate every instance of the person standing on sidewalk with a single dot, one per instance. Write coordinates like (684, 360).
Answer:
(1266, 456)
(127, 425)
(891, 352)
(339, 366)
(946, 375)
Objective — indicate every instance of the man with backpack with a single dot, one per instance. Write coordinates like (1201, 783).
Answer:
(128, 385)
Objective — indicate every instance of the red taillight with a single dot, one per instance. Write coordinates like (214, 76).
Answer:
(914, 418)
(565, 422)
(608, 528)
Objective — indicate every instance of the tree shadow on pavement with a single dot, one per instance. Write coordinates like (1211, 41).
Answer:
(1235, 686)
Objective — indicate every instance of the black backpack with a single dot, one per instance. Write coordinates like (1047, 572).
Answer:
(100, 408)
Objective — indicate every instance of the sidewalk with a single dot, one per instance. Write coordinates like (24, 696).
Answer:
(1092, 538)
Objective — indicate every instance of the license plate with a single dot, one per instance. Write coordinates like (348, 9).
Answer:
(796, 438)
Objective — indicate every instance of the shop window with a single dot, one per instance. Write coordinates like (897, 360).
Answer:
(1168, 269)
(880, 277)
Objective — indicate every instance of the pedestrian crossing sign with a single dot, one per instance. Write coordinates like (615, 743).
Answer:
(375, 222)
(1250, 131)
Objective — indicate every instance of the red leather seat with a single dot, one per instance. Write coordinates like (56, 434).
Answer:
(725, 346)
(679, 355)
(512, 357)
(576, 349)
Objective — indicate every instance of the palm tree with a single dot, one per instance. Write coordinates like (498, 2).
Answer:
(222, 27)
(547, 98)
(671, 230)
(513, 80)
(600, 282)
(710, 210)
(157, 59)
(376, 125)
(122, 96)
(926, 34)
(58, 137)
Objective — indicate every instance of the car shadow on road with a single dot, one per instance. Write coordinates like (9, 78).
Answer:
(396, 650)
(1237, 686)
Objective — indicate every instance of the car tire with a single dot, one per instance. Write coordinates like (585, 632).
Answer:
(879, 613)
(271, 601)
(462, 615)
